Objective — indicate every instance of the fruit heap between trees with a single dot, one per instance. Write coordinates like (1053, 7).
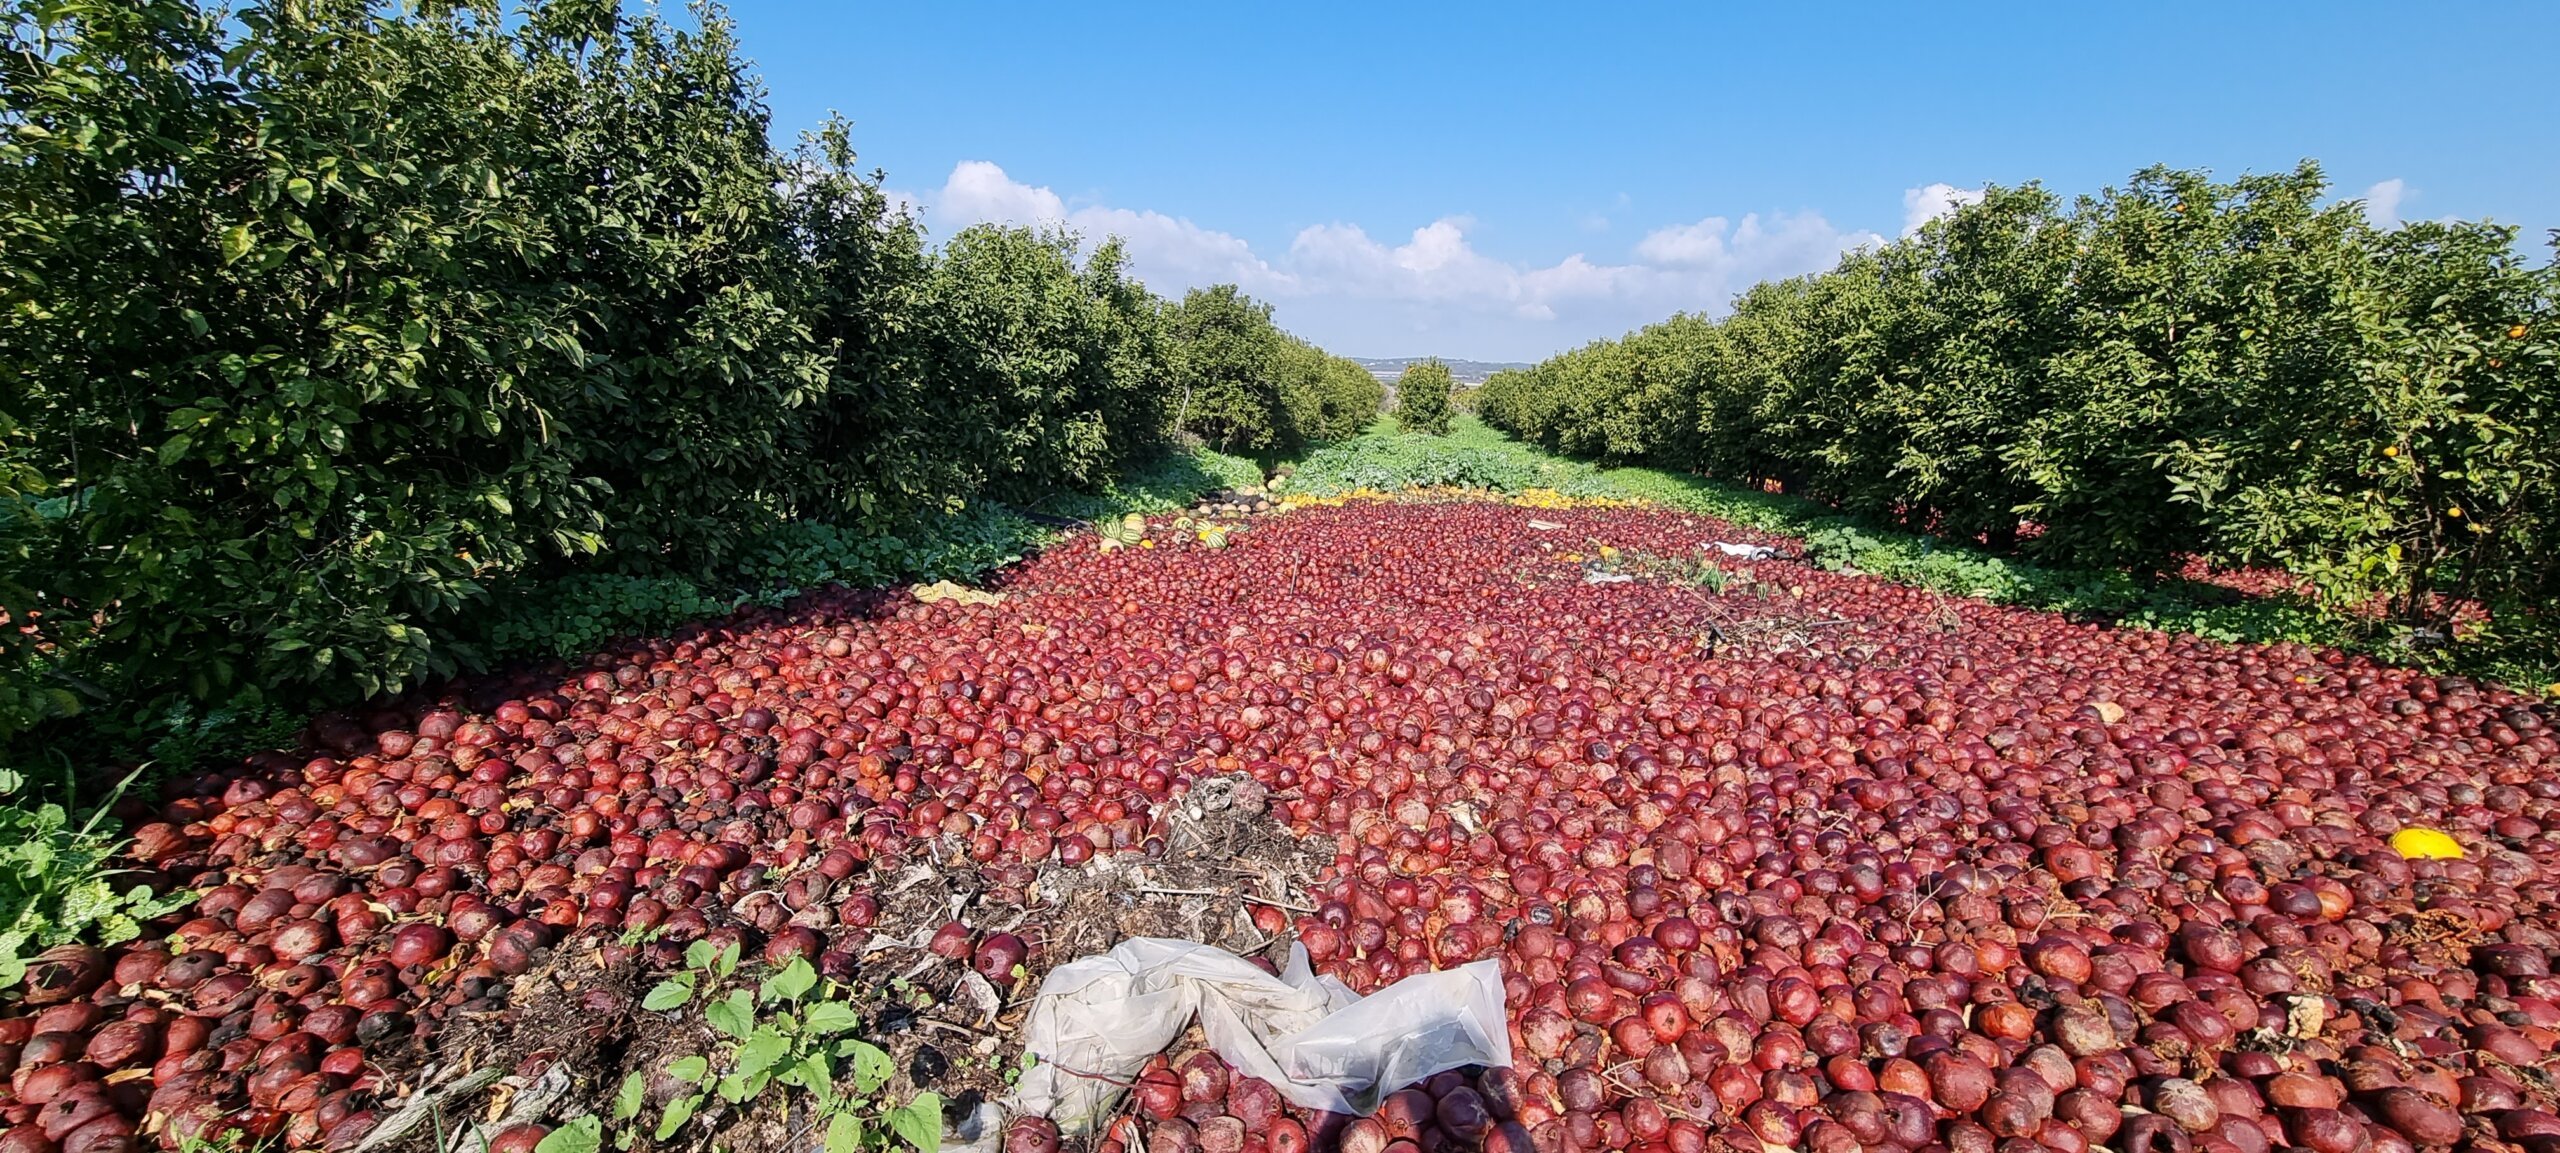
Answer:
(1770, 857)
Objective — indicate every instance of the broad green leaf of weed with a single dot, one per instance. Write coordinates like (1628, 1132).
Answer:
(919, 1122)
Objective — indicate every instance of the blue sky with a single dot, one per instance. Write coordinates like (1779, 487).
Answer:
(1500, 181)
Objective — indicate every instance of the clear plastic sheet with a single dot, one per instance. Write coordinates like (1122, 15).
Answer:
(1096, 1020)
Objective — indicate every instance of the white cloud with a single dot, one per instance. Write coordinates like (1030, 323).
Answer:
(1169, 253)
(1433, 291)
(980, 192)
(1685, 245)
(1782, 245)
(2382, 202)
(1437, 287)
(1922, 205)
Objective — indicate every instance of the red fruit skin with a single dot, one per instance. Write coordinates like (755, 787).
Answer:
(1818, 890)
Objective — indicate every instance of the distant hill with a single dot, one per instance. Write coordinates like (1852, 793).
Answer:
(1466, 372)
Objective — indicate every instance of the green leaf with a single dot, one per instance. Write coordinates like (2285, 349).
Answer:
(789, 983)
(919, 1122)
(678, 1112)
(634, 1093)
(762, 1051)
(237, 240)
(844, 1134)
(668, 994)
(735, 1016)
(872, 1067)
(690, 1070)
(815, 1074)
(728, 962)
(700, 955)
(828, 1018)
(584, 1135)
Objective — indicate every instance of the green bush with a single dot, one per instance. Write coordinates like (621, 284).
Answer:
(2177, 368)
(1053, 371)
(1228, 371)
(1327, 399)
(1422, 398)
(344, 345)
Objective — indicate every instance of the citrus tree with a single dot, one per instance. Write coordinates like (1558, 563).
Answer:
(1422, 398)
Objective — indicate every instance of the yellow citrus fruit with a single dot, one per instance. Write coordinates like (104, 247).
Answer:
(2455, 511)
(2516, 332)
(2425, 844)
(2391, 450)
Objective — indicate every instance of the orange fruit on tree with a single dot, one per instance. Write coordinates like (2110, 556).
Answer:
(2515, 332)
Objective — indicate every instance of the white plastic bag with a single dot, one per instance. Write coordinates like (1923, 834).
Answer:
(1097, 1020)
(1742, 551)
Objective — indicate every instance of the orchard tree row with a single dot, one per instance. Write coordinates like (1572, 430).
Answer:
(324, 325)
(2177, 368)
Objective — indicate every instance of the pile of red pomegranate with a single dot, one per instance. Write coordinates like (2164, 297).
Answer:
(1811, 862)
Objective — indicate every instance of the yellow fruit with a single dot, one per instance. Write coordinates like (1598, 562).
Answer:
(2455, 512)
(2391, 450)
(2425, 844)
(2516, 332)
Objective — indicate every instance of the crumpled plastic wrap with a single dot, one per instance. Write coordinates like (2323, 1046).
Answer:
(1096, 1021)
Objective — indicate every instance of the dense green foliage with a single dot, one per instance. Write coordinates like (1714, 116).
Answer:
(1247, 387)
(344, 345)
(1326, 398)
(2178, 368)
(1388, 459)
(1422, 398)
